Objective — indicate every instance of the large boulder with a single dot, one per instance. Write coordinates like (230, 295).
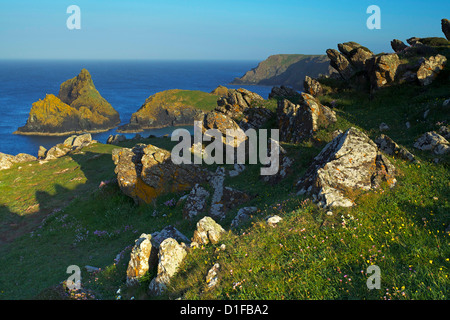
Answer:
(349, 162)
(143, 257)
(382, 70)
(208, 231)
(146, 171)
(430, 68)
(170, 256)
(446, 28)
(298, 122)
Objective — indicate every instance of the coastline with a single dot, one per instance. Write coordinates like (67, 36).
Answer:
(59, 134)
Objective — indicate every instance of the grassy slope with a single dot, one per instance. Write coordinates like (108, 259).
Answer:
(308, 255)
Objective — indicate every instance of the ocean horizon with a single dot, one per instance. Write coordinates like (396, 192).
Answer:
(125, 84)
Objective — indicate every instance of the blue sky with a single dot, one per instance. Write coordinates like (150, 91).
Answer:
(206, 29)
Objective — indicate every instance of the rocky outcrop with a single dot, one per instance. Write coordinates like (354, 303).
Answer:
(390, 147)
(312, 86)
(145, 172)
(430, 68)
(382, 70)
(170, 108)
(143, 257)
(286, 70)
(349, 162)
(7, 161)
(224, 198)
(168, 232)
(298, 122)
(283, 92)
(73, 143)
(116, 139)
(195, 202)
(255, 118)
(356, 54)
(78, 107)
(243, 215)
(170, 256)
(208, 231)
(446, 28)
(398, 45)
(341, 64)
(234, 102)
(433, 141)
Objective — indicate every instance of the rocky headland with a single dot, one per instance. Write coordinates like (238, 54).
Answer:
(79, 107)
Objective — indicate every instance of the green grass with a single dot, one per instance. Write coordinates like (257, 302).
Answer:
(54, 215)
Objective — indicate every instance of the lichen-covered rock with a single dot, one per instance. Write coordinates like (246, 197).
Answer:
(171, 254)
(233, 102)
(341, 64)
(312, 86)
(349, 162)
(42, 152)
(7, 161)
(382, 70)
(283, 92)
(255, 118)
(208, 231)
(432, 141)
(145, 172)
(300, 122)
(224, 198)
(430, 68)
(244, 214)
(116, 139)
(195, 202)
(78, 107)
(390, 147)
(212, 278)
(142, 258)
(57, 151)
(356, 54)
(168, 232)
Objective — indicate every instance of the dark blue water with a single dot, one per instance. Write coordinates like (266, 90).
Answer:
(125, 85)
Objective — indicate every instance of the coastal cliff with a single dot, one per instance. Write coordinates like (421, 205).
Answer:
(287, 70)
(79, 107)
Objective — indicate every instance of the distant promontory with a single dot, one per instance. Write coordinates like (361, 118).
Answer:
(287, 70)
(79, 107)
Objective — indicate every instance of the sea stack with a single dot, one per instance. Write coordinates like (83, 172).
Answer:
(79, 107)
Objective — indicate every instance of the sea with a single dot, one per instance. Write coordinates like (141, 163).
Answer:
(124, 84)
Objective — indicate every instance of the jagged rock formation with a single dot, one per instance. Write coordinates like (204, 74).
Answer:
(143, 257)
(349, 162)
(286, 70)
(170, 108)
(382, 70)
(312, 86)
(234, 102)
(283, 92)
(78, 107)
(145, 172)
(299, 122)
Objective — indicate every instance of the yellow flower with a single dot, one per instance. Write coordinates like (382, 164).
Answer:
(431, 261)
